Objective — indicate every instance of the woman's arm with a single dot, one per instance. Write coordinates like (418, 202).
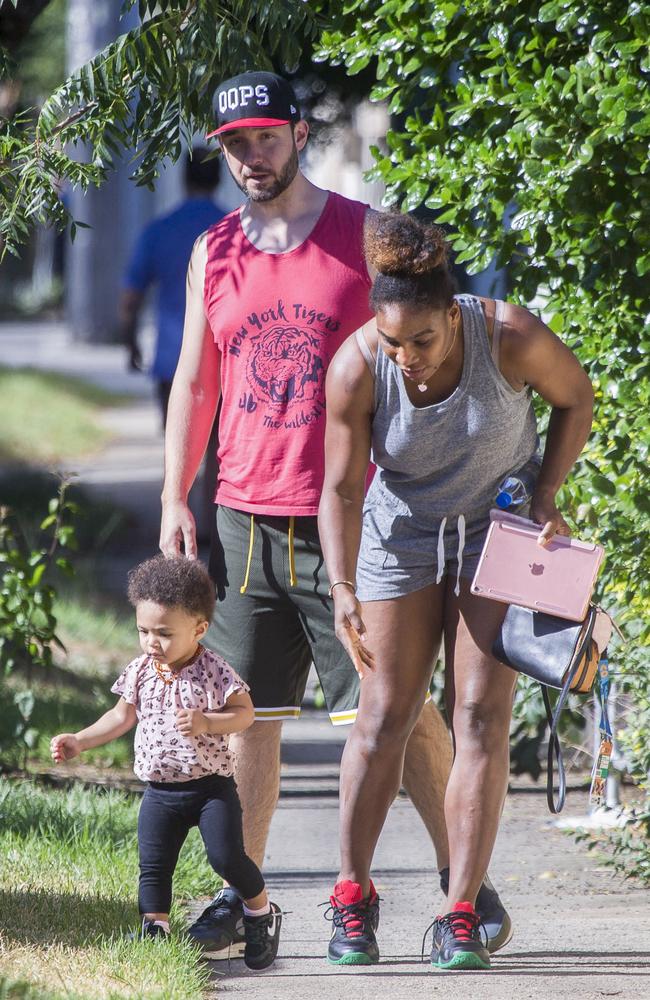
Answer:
(236, 715)
(114, 723)
(532, 354)
(350, 396)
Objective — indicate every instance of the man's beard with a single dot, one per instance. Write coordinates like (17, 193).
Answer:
(280, 184)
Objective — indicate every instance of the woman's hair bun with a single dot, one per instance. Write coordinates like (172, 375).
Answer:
(398, 244)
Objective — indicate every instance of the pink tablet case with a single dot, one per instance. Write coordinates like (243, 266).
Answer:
(513, 568)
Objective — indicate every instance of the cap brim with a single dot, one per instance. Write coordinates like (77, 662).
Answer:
(248, 123)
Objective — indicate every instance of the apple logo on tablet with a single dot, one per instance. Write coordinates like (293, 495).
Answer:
(537, 569)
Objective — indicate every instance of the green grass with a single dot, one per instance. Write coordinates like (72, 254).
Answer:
(49, 417)
(68, 889)
(100, 640)
(28, 491)
(65, 703)
(21, 990)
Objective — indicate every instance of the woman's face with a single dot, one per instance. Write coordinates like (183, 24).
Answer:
(416, 340)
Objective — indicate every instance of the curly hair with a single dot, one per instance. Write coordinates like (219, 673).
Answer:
(412, 261)
(173, 583)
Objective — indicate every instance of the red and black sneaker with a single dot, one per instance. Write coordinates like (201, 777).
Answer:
(355, 921)
(457, 941)
(491, 911)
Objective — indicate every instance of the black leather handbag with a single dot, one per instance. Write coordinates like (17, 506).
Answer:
(560, 654)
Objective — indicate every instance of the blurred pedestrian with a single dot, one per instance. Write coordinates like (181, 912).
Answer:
(160, 258)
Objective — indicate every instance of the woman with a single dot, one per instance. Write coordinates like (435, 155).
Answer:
(442, 394)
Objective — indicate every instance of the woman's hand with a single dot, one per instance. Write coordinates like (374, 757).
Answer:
(64, 747)
(351, 631)
(544, 511)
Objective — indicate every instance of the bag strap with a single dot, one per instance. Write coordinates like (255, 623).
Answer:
(554, 750)
(553, 715)
(499, 309)
(366, 351)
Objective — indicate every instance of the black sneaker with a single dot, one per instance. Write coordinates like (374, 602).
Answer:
(262, 938)
(456, 940)
(355, 921)
(491, 911)
(220, 928)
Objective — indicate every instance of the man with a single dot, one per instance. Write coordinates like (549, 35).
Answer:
(273, 290)
(160, 258)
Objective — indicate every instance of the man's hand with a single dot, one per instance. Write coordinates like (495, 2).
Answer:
(177, 528)
(351, 631)
(191, 722)
(64, 747)
(135, 358)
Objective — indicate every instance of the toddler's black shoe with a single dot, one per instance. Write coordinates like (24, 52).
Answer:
(220, 928)
(262, 939)
(149, 929)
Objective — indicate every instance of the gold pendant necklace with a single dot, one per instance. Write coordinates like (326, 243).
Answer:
(422, 386)
(167, 674)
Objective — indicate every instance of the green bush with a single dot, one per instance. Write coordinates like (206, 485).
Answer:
(27, 621)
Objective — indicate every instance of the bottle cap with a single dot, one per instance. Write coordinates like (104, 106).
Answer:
(503, 499)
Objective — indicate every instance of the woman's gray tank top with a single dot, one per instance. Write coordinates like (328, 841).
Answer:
(448, 459)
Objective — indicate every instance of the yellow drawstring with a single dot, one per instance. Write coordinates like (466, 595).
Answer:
(293, 580)
(242, 589)
(292, 558)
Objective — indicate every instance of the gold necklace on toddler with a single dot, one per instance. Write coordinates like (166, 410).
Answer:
(167, 674)
(422, 386)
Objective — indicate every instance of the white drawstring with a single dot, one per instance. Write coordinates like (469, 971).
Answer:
(441, 549)
(461, 548)
(459, 554)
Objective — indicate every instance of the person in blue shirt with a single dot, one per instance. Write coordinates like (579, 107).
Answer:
(160, 258)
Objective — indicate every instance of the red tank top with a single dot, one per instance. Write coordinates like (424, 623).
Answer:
(278, 319)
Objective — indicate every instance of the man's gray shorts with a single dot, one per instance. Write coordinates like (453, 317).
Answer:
(282, 621)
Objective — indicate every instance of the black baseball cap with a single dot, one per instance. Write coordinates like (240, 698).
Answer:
(254, 100)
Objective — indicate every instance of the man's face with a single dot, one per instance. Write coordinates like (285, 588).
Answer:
(263, 161)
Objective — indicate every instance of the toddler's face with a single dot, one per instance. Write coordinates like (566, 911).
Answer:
(170, 635)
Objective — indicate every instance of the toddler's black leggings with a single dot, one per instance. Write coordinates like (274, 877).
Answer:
(167, 813)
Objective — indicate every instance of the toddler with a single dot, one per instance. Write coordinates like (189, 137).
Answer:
(185, 700)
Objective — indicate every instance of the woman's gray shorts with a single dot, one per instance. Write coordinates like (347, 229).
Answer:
(401, 552)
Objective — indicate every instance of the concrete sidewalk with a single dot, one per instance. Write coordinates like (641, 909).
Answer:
(129, 471)
(580, 932)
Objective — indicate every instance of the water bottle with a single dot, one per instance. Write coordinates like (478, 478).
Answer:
(517, 489)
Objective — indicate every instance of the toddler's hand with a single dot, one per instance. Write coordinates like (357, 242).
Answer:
(64, 747)
(191, 722)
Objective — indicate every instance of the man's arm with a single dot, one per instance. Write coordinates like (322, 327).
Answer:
(192, 407)
(131, 300)
(370, 217)
(140, 274)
